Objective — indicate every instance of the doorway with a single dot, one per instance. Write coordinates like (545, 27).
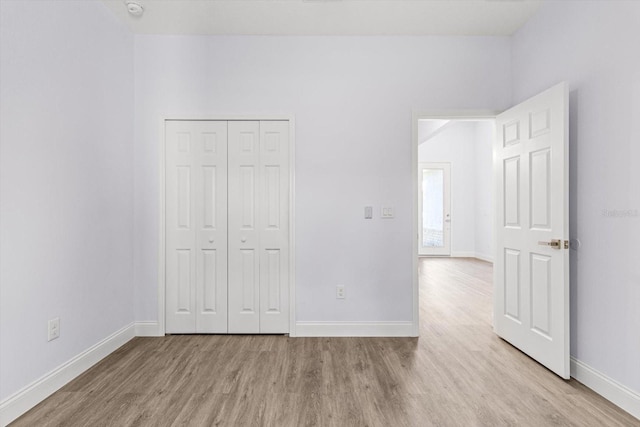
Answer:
(530, 174)
(435, 208)
(455, 181)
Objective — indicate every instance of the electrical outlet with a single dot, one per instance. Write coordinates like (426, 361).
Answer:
(340, 293)
(54, 329)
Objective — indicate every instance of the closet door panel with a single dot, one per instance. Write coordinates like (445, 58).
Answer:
(273, 226)
(180, 227)
(196, 226)
(211, 224)
(244, 236)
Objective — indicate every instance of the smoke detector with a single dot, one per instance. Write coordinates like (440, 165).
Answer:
(134, 8)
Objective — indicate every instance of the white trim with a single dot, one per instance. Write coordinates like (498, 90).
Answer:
(292, 229)
(482, 257)
(475, 255)
(162, 238)
(421, 115)
(460, 254)
(161, 326)
(34, 393)
(147, 329)
(616, 393)
(354, 329)
(415, 226)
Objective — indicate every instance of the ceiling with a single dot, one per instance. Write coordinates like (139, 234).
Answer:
(328, 17)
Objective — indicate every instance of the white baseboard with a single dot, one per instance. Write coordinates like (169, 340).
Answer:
(25, 399)
(487, 258)
(455, 254)
(608, 388)
(147, 329)
(354, 329)
(460, 254)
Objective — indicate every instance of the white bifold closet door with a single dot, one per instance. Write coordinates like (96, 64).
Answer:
(196, 227)
(232, 207)
(258, 227)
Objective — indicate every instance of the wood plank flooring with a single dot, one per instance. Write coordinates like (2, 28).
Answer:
(458, 373)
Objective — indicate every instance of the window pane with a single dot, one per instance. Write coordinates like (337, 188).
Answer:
(433, 208)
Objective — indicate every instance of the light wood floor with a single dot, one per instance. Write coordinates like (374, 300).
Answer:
(457, 374)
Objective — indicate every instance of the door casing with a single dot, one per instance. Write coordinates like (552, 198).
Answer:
(161, 327)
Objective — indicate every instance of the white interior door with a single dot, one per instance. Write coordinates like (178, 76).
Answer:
(196, 226)
(435, 208)
(531, 270)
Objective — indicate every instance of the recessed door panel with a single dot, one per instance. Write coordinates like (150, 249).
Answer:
(272, 197)
(247, 195)
(209, 279)
(512, 289)
(272, 278)
(184, 196)
(248, 280)
(209, 196)
(512, 192)
(540, 294)
(183, 265)
(540, 189)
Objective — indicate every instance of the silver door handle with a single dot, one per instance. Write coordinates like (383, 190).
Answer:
(554, 243)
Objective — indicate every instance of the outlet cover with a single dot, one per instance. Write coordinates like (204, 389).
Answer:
(54, 329)
(340, 292)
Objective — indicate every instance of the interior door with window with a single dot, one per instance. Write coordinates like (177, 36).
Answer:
(531, 269)
(435, 209)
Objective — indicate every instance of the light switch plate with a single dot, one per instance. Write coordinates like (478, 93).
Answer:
(368, 212)
(386, 212)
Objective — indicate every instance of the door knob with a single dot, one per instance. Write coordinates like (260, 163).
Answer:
(211, 240)
(244, 239)
(554, 243)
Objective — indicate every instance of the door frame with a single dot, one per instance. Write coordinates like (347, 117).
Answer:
(426, 115)
(446, 166)
(161, 327)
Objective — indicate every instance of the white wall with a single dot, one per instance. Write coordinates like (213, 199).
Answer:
(594, 47)
(467, 146)
(66, 183)
(352, 98)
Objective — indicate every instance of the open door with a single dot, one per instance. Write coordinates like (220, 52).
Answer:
(531, 270)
